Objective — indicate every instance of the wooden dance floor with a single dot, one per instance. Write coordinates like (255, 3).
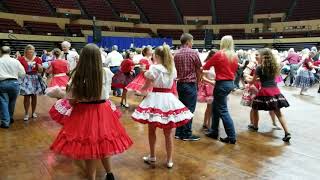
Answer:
(25, 154)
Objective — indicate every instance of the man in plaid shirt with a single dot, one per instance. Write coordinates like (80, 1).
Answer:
(188, 64)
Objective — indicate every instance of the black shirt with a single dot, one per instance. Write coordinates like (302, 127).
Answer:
(266, 81)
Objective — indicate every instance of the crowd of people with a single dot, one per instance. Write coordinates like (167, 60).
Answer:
(171, 82)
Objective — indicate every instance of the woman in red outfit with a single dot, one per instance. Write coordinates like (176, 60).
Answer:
(225, 63)
(92, 132)
(32, 84)
(122, 78)
(59, 69)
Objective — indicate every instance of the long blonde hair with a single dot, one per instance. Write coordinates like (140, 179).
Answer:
(87, 78)
(163, 52)
(227, 46)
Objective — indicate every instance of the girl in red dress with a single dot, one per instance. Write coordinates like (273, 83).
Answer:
(92, 131)
(59, 69)
(140, 80)
(123, 77)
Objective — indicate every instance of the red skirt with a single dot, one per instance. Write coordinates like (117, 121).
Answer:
(269, 99)
(121, 79)
(138, 83)
(60, 81)
(92, 131)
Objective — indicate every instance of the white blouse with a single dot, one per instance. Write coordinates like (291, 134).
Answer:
(160, 76)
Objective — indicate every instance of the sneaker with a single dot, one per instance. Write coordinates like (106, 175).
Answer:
(212, 135)
(252, 128)
(4, 126)
(34, 115)
(191, 138)
(177, 137)
(125, 105)
(109, 176)
(228, 141)
(26, 117)
(150, 160)
(170, 165)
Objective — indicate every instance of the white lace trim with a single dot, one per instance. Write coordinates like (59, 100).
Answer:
(154, 117)
(62, 109)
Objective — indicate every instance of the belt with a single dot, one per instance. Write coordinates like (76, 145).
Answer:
(162, 90)
(10, 79)
(59, 75)
(94, 102)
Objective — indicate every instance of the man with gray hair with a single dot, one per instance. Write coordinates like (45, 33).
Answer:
(114, 60)
(10, 70)
(71, 56)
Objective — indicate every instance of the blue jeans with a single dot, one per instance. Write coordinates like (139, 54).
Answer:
(114, 70)
(9, 91)
(188, 96)
(220, 109)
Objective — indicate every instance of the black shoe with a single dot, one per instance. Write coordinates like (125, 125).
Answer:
(11, 121)
(287, 137)
(227, 140)
(191, 138)
(109, 176)
(4, 126)
(252, 128)
(177, 137)
(212, 135)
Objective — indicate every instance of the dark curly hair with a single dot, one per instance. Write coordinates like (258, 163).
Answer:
(270, 67)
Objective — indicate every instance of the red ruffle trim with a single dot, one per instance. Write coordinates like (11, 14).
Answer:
(170, 125)
(159, 111)
(83, 150)
(56, 116)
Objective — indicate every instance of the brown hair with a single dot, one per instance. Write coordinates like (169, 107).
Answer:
(211, 53)
(185, 37)
(163, 52)
(145, 50)
(269, 65)
(86, 81)
(56, 52)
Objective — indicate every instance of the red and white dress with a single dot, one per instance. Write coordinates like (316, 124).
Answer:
(140, 80)
(59, 68)
(91, 129)
(126, 75)
(161, 107)
(205, 89)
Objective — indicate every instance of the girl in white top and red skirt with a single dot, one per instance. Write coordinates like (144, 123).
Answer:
(92, 131)
(161, 108)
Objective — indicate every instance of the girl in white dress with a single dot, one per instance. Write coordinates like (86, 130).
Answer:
(161, 108)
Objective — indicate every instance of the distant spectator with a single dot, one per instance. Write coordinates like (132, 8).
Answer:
(114, 59)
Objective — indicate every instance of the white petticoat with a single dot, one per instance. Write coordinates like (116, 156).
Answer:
(164, 110)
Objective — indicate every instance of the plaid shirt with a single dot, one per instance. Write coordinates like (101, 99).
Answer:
(187, 62)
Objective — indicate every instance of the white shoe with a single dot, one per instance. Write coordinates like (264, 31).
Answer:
(34, 115)
(26, 117)
(170, 165)
(149, 160)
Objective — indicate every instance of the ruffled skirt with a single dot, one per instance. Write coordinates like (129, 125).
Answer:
(121, 79)
(163, 110)
(205, 93)
(305, 79)
(137, 84)
(60, 81)
(90, 131)
(32, 84)
(269, 99)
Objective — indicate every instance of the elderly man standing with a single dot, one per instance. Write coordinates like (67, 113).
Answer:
(71, 56)
(10, 70)
(188, 64)
(114, 59)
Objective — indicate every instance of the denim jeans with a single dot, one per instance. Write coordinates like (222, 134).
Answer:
(9, 91)
(114, 70)
(220, 109)
(188, 96)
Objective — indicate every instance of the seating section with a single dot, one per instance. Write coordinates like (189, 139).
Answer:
(305, 10)
(124, 6)
(232, 11)
(41, 28)
(158, 12)
(99, 9)
(37, 8)
(272, 6)
(133, 30)
(170, 33)
(195, 8)
(7, 25)
(198, 34)
(235, 33)
(68, 4)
